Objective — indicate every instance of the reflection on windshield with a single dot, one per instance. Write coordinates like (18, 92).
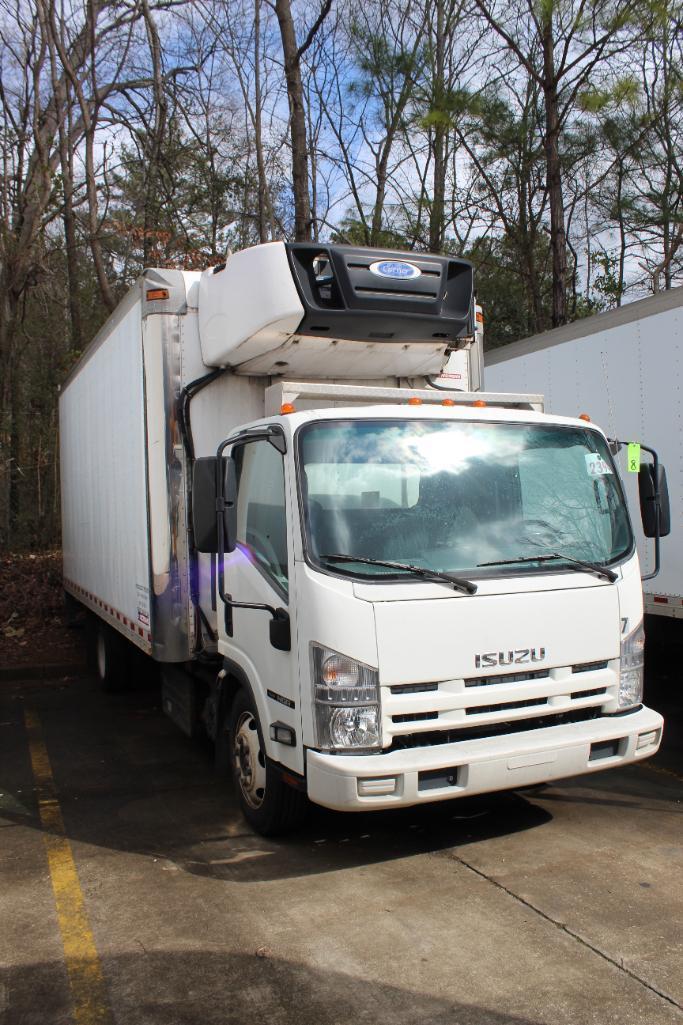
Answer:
(450, 495)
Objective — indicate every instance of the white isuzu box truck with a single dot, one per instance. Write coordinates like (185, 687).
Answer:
(625, 369)
(369, 590)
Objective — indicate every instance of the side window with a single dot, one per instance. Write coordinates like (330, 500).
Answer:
(261, 519)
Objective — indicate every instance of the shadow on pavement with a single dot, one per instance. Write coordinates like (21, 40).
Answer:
(664, 685)
(207, 988)
(127, 780)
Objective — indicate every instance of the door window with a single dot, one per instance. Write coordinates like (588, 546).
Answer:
(261, 518)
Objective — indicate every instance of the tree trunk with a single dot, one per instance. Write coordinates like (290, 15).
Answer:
(265, 216)
(436, 218)
(70, 240)
(9, 317)
(66, 153)
(558, 238)
(297, 122)
(382, 168)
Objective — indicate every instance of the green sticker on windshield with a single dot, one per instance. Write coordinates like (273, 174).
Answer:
(633, 457)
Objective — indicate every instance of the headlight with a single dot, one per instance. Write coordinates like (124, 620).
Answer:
(355, 727)
(631, 668)
(346, 700)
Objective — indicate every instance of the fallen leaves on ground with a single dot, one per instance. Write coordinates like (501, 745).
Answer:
(33, 629)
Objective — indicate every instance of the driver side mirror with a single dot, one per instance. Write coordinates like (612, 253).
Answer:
(229, 504)
(655, 510)
(205, 487)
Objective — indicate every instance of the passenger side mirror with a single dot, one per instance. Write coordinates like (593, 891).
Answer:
(653, 490)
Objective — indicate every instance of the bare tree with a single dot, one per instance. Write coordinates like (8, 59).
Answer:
(66, 64)
(559, 46)
(293, 53)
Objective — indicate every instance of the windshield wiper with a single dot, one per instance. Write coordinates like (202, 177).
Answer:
(420, 571)
(592, 567)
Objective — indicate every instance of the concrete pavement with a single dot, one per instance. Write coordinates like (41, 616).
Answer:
(561, 905)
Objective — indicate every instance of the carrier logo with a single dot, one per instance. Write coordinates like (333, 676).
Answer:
(509, 658)
(395, 269)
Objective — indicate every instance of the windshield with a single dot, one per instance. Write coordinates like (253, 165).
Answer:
(449, 496)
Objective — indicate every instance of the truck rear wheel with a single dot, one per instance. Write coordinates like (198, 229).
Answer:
(108, 656)
(268, 804)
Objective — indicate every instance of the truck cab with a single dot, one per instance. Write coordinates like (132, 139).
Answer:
(462, 602)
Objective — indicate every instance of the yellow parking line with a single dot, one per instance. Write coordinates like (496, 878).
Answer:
(88, 990)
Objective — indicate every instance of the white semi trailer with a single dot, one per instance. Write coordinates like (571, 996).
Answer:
(625, 369)
(368, 590)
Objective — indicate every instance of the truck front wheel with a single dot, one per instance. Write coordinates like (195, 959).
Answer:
(268, 804)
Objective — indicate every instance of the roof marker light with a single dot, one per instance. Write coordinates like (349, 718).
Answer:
(287, 407)
(585, 416)
(479, 403)
(448, 402)
(414, 401)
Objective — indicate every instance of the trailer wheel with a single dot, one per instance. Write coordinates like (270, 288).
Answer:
(268, 804)
(109, 658)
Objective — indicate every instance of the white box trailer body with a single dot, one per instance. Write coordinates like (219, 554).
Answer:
(124, 470)
(125, 466)
(624, 369)
(458, 686)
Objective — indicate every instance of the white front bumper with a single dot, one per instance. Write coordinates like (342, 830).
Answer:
(479, 766)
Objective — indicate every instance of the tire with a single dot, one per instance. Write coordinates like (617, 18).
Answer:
(269, 805)
(108, 656)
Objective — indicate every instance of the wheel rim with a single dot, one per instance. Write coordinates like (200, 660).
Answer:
(101, 655)
(248, 760)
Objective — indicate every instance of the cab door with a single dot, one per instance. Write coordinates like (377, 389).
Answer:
(259, 571)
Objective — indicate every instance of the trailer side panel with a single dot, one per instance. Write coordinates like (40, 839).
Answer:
(104, 489)
(628, 376)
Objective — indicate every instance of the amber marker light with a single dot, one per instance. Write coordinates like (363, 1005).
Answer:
(585, 416)
(156, 293)
(414, 401)
(448, 402)
(480, 317)
(287, 407)
(479, 403)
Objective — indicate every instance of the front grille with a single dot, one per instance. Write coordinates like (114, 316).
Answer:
(413, 688)
(487, 681)
(415, 717)
(589, 667)
(435, 738)
(478, 709)
(442, 712)
(596, 692)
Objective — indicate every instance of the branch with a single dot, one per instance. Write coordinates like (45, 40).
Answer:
(324, 11)
(511, 43)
